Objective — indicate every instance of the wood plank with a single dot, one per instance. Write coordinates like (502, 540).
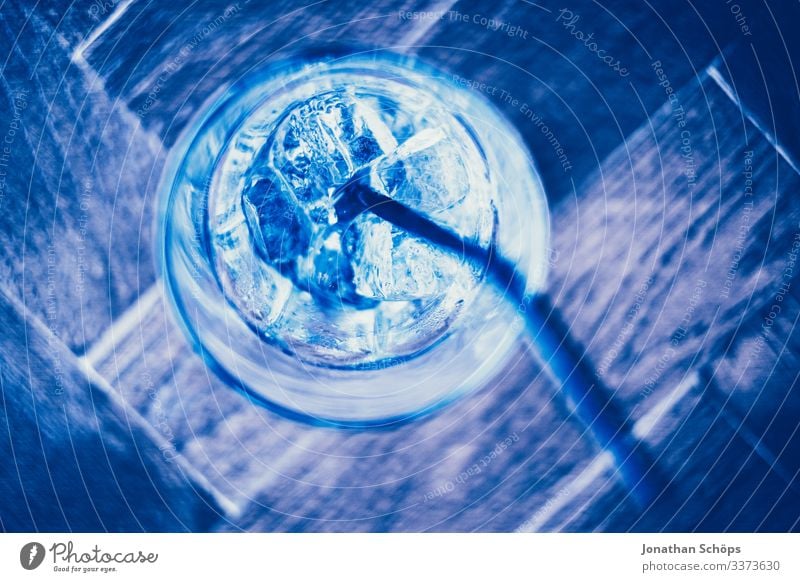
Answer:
(78, 171)
(166, 60)
(664, 276)
(75, 22)
(759, 72)
(75, 458)
(758, 381)
(566, 97)
(720, 478)
(651, 246)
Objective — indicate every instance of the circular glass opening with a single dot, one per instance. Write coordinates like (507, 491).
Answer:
(341, 319)
(336, 292)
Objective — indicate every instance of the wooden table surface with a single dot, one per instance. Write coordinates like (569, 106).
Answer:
(675, 241)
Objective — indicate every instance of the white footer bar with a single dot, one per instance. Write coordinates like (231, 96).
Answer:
(416, 557)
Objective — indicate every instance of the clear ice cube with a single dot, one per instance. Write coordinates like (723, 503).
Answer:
(330, 272)
(304, 153)
(390, 265)
(280, 228)
(428, 174)
(323, 141)
(257, 290)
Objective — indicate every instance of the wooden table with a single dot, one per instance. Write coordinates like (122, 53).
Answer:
(670, 171)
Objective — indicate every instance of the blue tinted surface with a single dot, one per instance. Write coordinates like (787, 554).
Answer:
(667, 286)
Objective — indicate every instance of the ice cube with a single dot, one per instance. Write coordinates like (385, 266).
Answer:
(261, 294)
(304, 153)
(280, 228)
(319, 145)
(390, 265)
(331, 273)
(363, 150)
(401, 123)
(369, 245)
(426, 173)
(257, 289)
(419, 270)
(357, 128)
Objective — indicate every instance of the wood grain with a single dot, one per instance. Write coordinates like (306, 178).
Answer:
(76, 203)
(760, 72)
(165, 61)
(693, 265)
(75, 459)
(666, 279)
(566, 96)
